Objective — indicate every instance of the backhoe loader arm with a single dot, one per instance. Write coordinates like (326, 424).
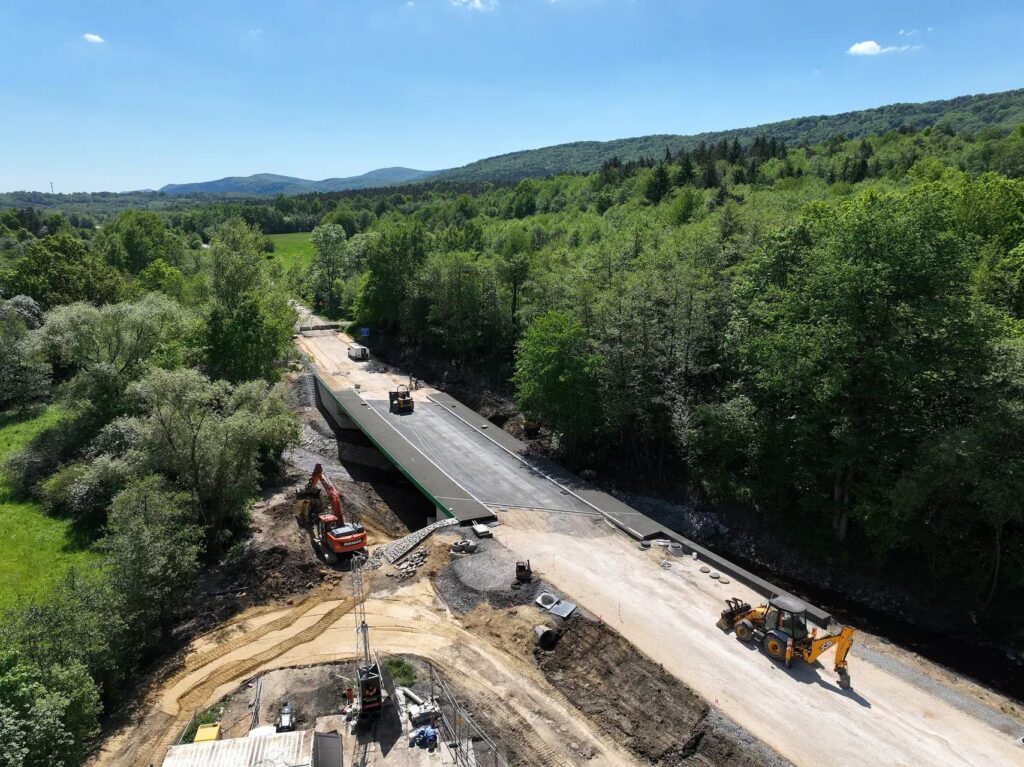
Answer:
(842, 641)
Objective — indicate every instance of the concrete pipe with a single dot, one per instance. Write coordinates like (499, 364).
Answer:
(546, 600)
(546, 637)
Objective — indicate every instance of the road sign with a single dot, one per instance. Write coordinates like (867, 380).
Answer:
(364, 332)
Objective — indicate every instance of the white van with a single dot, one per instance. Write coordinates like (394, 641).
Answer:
(358, 352)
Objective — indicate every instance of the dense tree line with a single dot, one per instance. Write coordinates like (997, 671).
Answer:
(829, 334)
(162, 360)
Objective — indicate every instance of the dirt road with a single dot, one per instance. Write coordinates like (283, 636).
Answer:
(669, 615)
(374, 379)
(321, 628)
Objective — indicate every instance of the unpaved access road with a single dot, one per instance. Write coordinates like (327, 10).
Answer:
(321, 629)
(374, 379)
(669, 614)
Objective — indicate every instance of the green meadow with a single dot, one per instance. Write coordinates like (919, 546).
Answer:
(38, 549)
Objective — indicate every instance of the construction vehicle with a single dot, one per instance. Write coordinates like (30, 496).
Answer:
(524, 573)
(401, 400)
(780, 626)
(331, 534)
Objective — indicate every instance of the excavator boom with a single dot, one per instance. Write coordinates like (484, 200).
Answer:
(331, 530)
(329, 488)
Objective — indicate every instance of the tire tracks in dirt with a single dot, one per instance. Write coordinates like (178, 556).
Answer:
(199, 660)
(518, 732)
(196, 696)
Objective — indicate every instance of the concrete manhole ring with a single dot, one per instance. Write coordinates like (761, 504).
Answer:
(715, 576)
(1020, 741)
(546, 599)
(705, 569)
(723, 579)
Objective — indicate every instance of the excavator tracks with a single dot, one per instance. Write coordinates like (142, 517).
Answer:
(518, 732)
(197, 696)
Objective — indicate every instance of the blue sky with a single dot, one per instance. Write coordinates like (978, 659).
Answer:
(128, 95)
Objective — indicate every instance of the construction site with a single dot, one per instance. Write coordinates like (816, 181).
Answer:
(427, 591)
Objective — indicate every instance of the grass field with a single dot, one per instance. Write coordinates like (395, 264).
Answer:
(293, 249)
(36, 548)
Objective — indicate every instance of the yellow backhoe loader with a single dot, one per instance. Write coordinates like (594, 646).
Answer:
(781, 627)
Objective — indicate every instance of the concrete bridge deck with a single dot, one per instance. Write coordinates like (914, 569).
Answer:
(469, 468)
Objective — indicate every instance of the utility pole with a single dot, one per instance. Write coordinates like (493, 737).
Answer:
(51, 187)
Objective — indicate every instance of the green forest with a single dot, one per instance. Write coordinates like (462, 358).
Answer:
(829, 335)
(140, 410)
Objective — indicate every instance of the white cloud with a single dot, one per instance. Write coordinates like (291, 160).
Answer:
(90, 37)
(476, 5)
(871, 48)
(908, 32)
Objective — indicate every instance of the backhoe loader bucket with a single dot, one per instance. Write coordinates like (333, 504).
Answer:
(844, 679)
(734, 609)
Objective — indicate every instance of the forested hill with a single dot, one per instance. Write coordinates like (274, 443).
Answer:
(270, 183)
(971, 113)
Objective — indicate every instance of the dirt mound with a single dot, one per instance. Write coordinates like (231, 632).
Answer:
(635, 702)
(485, 577)
(255, 577)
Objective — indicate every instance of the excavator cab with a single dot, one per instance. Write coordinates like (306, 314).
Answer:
(340, 537)
(787, 615)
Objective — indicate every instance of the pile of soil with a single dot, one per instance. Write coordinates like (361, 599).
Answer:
(257, 576)
(635, 702)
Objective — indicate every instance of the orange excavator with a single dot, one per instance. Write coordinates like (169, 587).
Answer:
(331, 534)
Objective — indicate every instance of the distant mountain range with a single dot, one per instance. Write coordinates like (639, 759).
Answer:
(1000, 111)
(270, 183)
(972, 113)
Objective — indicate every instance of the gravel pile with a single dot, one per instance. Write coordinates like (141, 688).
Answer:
(394, 551)
(486, 576)
(302, 391)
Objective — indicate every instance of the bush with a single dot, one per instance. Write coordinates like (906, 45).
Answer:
(153, 547)
(48, 714)
(55, 490)
(401, 671)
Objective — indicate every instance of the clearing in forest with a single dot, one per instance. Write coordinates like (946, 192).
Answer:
(293, 249)
(38, 549)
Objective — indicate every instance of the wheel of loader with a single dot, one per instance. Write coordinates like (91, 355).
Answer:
(775, 646)
(744, 630)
